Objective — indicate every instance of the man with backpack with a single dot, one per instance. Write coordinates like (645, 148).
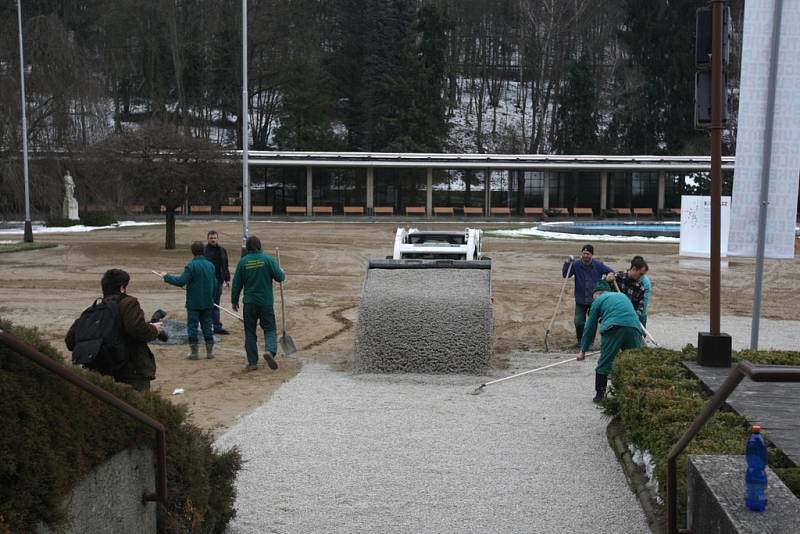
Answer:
(200, 280)
(111, 336)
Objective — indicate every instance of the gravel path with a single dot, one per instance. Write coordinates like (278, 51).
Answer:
(336, 452)
(677, 332)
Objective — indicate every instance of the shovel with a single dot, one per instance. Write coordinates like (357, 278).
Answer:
(286, 342)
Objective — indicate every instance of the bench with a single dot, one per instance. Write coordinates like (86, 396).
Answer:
(500, 211)
(295, 210)
(533, 211)
(262, 210)
(199, 208)
(97, 208)
(438, 211)
(416, 210)
(322, 210)
(622, 212)
(643, 212)
(230, 209)
(559, 211)
(473, 211)
(135, 208)
(583, 211)
(177, 210)
(383, 210)
(353, 210)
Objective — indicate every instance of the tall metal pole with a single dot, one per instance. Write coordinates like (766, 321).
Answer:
(716, 160)
(765, 170)
(245, 133)
(28, 236)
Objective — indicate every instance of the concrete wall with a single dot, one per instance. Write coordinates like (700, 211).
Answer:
(109, 499)
(716, 500)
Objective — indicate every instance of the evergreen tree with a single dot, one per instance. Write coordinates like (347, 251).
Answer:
(577, 111)
(304, 113)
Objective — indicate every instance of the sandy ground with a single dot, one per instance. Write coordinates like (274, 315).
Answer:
(325, 264)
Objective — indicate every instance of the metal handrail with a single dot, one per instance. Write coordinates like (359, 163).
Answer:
(67, 374)
(768, 373)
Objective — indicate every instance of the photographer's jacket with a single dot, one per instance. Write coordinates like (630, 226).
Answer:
(200, 280)
(136, 332)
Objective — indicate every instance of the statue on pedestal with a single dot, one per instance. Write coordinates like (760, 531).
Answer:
(69, 208)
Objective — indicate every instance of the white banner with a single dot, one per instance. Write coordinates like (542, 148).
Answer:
(784, 151)
(696, 226)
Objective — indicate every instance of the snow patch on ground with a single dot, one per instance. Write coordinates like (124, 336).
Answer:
(645, 460)
(41, 229)
(535, 232)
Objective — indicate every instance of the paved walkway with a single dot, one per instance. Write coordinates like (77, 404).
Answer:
(334, 452)
(676, 332)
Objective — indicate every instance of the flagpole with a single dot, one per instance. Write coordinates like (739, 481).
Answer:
(28, 235)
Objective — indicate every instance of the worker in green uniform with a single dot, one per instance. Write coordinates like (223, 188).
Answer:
(199, 278)
(619, 330)
(254, 274)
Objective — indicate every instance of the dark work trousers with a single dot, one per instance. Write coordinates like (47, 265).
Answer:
(253, 315)
(581, 311)
(215, 317)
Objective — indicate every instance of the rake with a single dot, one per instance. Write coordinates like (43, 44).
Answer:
(479, 389)
(558, 304)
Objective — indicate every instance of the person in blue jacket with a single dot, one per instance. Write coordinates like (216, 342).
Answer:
(619, 330)
(199, 277)
(587, 272)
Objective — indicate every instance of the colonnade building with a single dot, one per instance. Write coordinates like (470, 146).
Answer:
(481, 183)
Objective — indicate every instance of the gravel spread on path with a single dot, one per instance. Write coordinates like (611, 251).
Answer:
(676, 332)
(343, 453)
(424, 321)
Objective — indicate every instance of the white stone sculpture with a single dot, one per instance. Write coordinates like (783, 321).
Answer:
(69, 208)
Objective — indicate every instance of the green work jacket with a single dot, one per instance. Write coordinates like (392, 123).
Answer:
(255, 273)
(200, 280)
(615, 309)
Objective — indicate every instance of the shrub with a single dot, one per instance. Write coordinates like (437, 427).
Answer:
(98, 219)
(656, 399)
(54, 434)
(60, 222)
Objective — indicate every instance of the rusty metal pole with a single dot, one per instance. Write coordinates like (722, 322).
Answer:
(716, 161)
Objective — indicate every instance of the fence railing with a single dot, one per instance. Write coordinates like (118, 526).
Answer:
(737, 374)
(22, 348)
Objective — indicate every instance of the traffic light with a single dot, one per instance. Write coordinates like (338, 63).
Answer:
(702, 59)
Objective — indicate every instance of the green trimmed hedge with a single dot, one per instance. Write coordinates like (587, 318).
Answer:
(656, 399)
(54, 434)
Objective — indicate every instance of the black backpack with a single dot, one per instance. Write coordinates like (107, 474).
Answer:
(99, 343)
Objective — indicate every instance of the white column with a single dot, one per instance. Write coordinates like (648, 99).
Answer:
(662, 179)
(429, 192)
(603, 191)
(546, 190)
(370, 189)
(487, 192)
(309, 189)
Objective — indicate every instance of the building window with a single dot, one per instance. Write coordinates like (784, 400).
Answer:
(503, 189)
(400, 188)
(459, 188)
(644, 189)
(339, 187)
(278, 188)
(533, 188)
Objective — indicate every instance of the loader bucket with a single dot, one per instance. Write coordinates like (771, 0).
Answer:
(425, 316)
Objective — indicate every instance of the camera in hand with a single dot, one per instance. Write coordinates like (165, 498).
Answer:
(157, 316)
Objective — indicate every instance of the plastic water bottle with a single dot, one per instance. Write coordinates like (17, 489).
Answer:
(755, 497)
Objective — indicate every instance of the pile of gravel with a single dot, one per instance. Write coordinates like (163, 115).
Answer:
(424, 321)
(333, 452)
